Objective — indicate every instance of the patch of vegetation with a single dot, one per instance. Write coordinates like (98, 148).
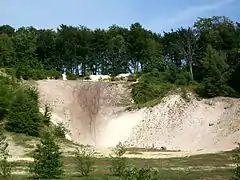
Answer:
(23, 115)
(162, 149)
(47, 159)
(236, 158)
(59, 130)
(23, 140)
(119, 163)
(84, 160)
(19, 108)
(5, 166)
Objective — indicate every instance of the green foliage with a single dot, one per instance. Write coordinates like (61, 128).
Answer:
(47, 115)
(84, 160)
(145, 91)
(140, 174)
(5, 165)
(47, 159)
(178, 57)
(6, 93)
(53, 74)
(23, 115)
(216, 74)
(118, 163)
(28, 73)
(236, 158)
(60, 130)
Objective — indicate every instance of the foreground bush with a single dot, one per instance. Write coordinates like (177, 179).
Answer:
(140, 174)
(118, 163)
(236, 158)
(47, 159)
(84, 160)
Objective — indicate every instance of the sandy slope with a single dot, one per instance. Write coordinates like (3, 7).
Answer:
(206, 125)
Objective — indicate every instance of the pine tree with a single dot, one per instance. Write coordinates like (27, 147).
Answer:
(47, 159)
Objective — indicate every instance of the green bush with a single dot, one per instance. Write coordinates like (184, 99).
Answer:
(53, 74)
(84, 160)
(47, 115)
(140, 174)
(87, 75)
(7, 89)
(47, 159)
(118, 163)
(151, 86)
(23, 115)
(71, 76)
(183, 78)
(236, 158)
(144, 92)
(5, 165)
(59, 130)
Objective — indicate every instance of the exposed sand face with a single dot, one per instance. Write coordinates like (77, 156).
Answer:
(195, 126)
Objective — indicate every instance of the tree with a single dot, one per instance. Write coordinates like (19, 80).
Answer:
(47, 159)
(216, 74)
(6, 51)
(185, 42)
(6, 29)
(23, 115)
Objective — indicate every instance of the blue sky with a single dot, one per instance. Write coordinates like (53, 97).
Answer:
(156, 15)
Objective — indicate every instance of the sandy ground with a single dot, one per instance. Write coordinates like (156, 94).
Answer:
(197, 126)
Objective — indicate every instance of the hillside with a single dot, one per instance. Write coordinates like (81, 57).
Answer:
(206, 125)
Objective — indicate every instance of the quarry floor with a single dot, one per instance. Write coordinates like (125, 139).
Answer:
(171, 165)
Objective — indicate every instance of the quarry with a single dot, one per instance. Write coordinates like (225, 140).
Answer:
(96, 113)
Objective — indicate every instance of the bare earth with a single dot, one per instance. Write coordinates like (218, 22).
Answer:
(198, 126)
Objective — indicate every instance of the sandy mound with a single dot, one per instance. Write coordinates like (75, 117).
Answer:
(207, 125)
(210, 125)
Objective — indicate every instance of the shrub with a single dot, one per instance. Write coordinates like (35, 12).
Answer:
(87, 75)
(60, 130)
(84, 160)
(151, 86)
(71, 76)
(23, 115)
(52, 73)
(6, 94)
(47, 159)
(119, 163)
(236, 158)
(140, 174)
(47, 115)
(5, 166)
(183, 78)
(144, 92)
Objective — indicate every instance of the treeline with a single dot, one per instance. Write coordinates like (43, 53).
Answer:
(207, 54)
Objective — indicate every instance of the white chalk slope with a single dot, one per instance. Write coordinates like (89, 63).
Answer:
(208, 125)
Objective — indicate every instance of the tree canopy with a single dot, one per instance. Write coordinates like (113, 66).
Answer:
(207, 52)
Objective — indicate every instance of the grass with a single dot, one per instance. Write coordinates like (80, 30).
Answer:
(23, 140)
(164, 175)
(134, 149)
(207, 166)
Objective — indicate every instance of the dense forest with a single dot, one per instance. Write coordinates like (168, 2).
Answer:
(206, 54)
